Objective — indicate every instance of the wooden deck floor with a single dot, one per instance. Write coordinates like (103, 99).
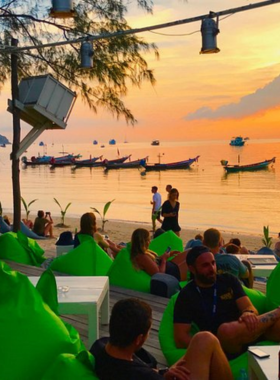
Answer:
(80, 322)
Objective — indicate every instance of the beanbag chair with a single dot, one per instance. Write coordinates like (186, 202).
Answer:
(4, 227)
(31, 334)
(71, 367)
(18, 247)
(88, 259)
(168, 239)
(272, 286)
(122, 272)
(29, 233)
(166, 335)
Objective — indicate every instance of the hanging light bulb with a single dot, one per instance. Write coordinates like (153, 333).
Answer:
(62, 9)
(86, 55)
(209, 30)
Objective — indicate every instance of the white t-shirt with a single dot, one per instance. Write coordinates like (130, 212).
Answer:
(157, 200)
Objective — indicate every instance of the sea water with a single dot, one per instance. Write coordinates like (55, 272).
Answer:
(243, 202)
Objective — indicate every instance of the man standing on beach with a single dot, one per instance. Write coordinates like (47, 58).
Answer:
(218, 303)
(156, 202)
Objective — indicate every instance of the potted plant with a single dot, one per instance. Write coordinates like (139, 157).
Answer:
(267, 241)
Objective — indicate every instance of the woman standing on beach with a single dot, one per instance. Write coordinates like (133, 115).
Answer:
(170, 212)
(88, 227)
(145, 259)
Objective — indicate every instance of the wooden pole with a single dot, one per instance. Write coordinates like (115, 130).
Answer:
(16, 140)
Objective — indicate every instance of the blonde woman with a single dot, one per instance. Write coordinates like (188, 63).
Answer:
(147, 260)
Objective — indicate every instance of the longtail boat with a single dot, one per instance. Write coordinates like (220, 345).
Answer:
(87, 161)
(63, 161)
(127, 165)
(173, 165)
(249, 167)
(81, 164)
(47, 160)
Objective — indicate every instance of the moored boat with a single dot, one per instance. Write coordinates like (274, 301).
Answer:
(46, 160)
(173, 165)
(90, 160)
(40, 160)
(64, 160)
(250, 167)
(99, 163)
(237, 141)
(127, 165)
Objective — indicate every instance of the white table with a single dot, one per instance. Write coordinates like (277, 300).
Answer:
(86, 295)
(262, 270)
(264, 369)
(258, 269)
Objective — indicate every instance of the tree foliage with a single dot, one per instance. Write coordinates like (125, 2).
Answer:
(118, 61)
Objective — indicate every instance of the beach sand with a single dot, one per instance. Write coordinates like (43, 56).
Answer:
(120, 231)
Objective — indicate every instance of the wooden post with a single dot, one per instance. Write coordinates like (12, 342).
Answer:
(16, 140)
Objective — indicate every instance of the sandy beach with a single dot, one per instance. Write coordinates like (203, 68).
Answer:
(119, 231)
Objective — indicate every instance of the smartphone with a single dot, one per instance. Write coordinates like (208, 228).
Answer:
(259, 353)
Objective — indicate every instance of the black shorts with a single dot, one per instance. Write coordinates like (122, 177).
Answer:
(173, 270)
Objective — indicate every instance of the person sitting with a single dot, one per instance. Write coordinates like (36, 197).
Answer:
(199, 237)
(88, 227)
(158, 232)
(43, 224)
(277, 250)
(121, 356)
(242, 250)
(6, 220)
(232, 248)
(218, 303)
(147, 260)
(227, 263)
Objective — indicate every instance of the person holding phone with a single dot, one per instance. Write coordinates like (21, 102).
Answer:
(43, 224)
(170, 212)
(145, 259)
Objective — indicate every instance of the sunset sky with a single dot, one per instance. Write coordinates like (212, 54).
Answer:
(215, 96)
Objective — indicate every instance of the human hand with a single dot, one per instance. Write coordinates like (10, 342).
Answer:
(174, 253)
(178, 372)
(166, 255)
(250, 319)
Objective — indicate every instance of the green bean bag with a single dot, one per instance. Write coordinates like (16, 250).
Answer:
(31, 334)
(122, 272)
(273, 285)
(71, 367)
(166, 335)
(18, 247)
(88, 259)
(168, 239)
